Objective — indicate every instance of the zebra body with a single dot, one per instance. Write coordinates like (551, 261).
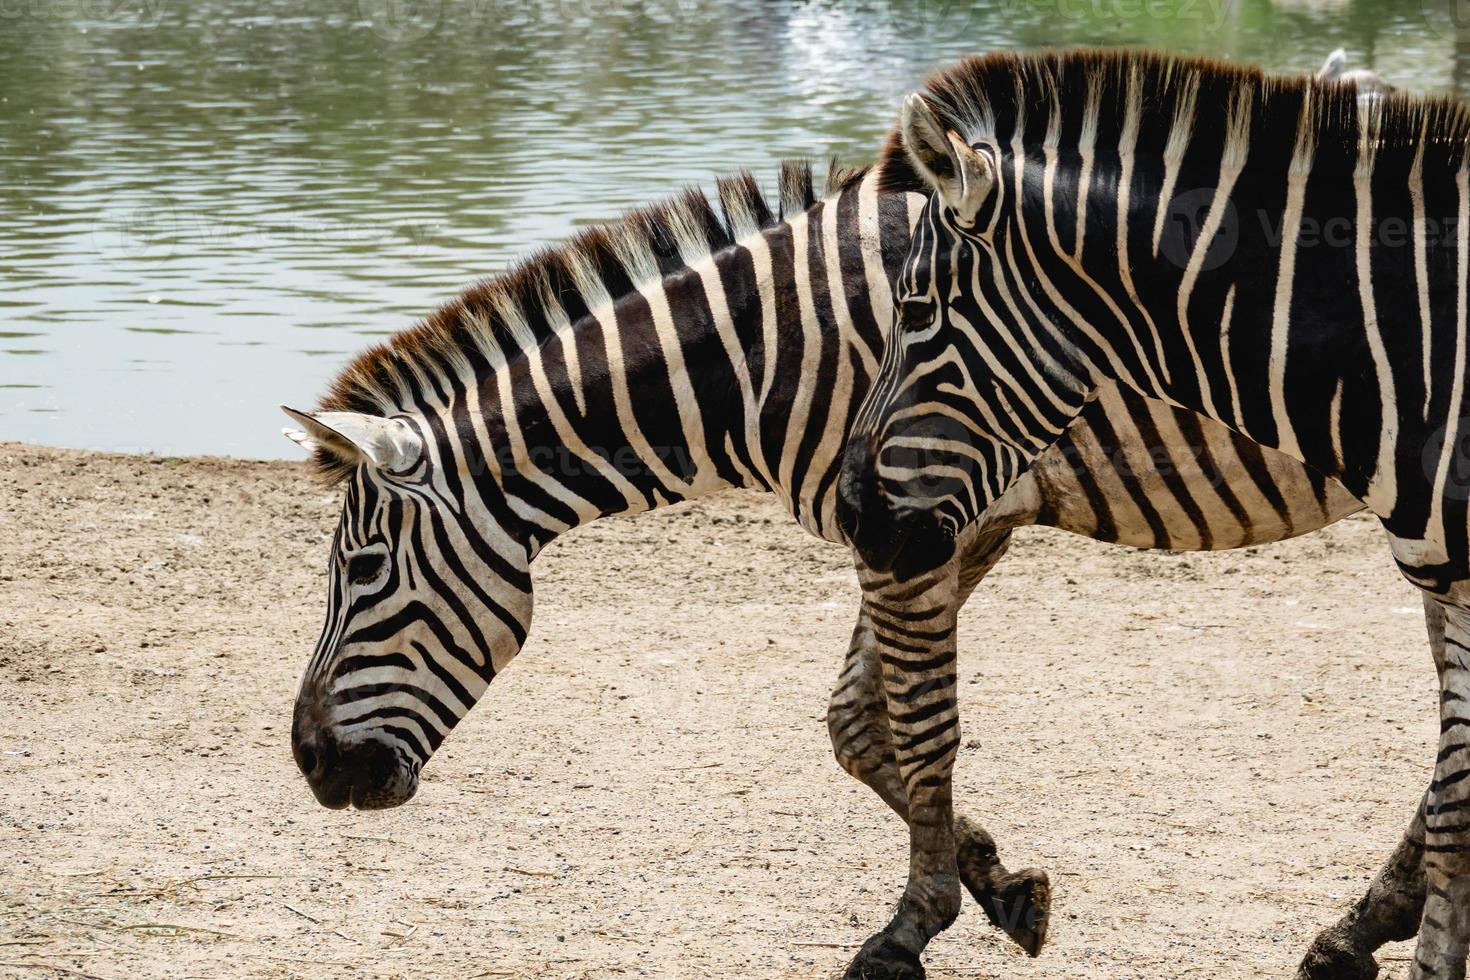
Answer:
(1138, 472)
(1048, 263)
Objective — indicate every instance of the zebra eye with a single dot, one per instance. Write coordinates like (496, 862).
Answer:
(363, 569)
(917, 315)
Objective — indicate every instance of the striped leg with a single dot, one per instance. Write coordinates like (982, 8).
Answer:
(913, 626)
(1389, 911)
(1444, 933)
(1394, 903)
(1018, 902)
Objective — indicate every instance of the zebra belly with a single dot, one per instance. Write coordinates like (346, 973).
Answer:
(1139, 472)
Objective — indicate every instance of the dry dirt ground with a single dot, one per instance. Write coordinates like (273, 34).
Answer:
(1209, 753)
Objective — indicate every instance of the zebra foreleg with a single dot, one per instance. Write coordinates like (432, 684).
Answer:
(1018, 903)
(913, 626)
(1394, 903)
(1444, 931)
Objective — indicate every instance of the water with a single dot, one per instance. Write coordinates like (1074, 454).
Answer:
(205, 207)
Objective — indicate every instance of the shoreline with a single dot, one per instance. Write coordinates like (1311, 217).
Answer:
(18, 445)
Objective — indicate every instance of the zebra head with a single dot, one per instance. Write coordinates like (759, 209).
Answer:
(923, 460)
(412, 636)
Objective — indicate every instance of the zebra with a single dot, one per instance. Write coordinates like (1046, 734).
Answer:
(469, 442)
(1051, 259)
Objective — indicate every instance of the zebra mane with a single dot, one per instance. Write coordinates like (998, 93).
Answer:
(498, 316)
(990, 96)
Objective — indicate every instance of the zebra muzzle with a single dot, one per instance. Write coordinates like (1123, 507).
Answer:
(906, 543)
(366, 773)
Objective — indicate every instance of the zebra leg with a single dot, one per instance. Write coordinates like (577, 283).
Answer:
(1018, 902)
(1389, 911)
(857, 720)
(1444, 932)
(913, 627)
(1394, 903)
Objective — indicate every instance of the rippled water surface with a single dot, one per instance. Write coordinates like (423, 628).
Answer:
(206, 206)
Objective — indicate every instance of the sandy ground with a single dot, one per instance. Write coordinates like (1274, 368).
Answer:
(1209, 753)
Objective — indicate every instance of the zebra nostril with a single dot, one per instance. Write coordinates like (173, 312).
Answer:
(311, 745)
(854, 487)
(848, 512)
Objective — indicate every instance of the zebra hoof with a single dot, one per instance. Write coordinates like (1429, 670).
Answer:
(1020, 907)
(1333, 957)
(881, 958)
(1017, 903)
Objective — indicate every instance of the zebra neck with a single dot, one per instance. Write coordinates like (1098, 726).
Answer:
(742, 369)
(810, 304)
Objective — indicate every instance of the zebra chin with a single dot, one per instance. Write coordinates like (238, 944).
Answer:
(367, 772)
(908, 547)
(907, 543)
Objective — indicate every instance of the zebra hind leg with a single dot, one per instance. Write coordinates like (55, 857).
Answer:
(1394, 903)
(1016, 902)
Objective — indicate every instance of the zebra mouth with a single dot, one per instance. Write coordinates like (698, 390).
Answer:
(332, 796)
(921, 545)
(928, 548)
(396, 789)
(367, 774)
(907, 544)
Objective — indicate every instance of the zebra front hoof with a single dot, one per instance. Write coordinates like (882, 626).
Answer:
(1021, 908)
(1332, 956)
(881, 958)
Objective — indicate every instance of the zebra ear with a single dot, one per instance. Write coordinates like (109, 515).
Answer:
(961, 175)
(301, 438)
(388, 444)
